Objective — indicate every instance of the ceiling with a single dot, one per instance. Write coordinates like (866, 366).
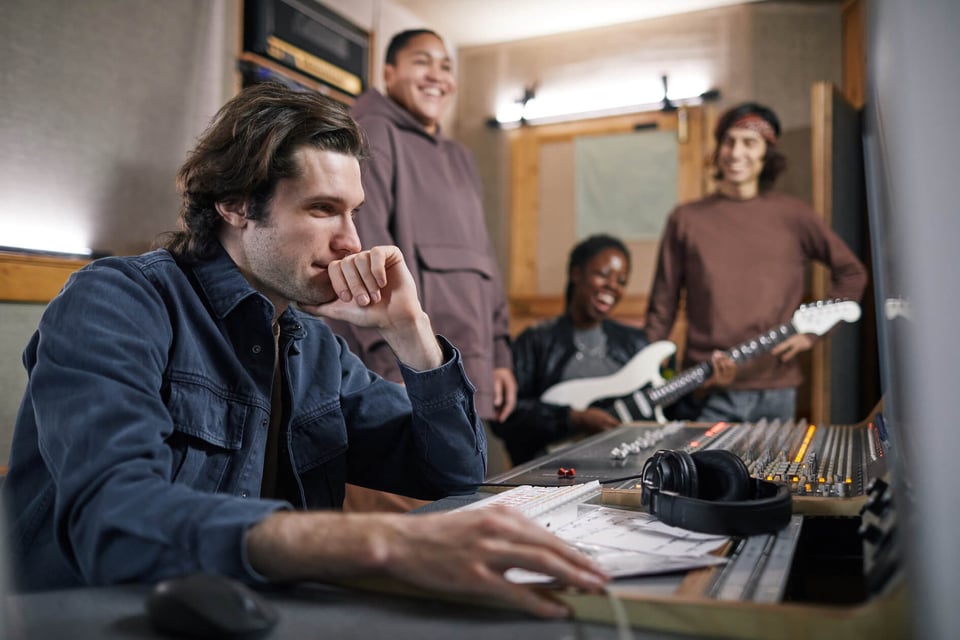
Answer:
(476, 22)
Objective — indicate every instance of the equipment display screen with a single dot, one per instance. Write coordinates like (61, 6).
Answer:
(311, 39)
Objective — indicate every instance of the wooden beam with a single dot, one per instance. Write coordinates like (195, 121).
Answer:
(854, 54)
(821, 110)
(34, 278)
(630, 310)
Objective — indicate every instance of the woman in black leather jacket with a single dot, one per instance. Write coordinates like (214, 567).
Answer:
(583, 342)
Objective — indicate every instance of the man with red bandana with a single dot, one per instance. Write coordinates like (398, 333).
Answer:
(740, 257)
(424, 195)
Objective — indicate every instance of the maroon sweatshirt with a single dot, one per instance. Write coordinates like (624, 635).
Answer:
(423, 194)
(743, 266)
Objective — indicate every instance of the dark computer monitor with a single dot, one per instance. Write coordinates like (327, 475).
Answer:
(911, 144)
(892, 302)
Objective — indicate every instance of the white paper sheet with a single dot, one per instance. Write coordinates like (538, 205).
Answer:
(630, 543)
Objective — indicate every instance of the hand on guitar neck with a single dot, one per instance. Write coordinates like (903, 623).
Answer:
(723, 370)
(793, 346)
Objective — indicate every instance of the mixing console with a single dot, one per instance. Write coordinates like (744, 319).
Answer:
(835, 569)
(835, 461)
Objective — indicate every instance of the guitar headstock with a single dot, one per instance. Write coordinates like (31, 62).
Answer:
(819, 317)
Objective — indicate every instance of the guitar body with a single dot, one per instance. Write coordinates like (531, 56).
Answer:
(642, 371)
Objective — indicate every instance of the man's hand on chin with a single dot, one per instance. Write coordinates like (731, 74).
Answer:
(376, 290)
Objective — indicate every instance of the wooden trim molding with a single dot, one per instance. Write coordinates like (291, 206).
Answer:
(528, 310)
(631, 309)
(34, 278)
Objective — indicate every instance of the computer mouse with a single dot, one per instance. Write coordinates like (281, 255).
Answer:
(206, 605)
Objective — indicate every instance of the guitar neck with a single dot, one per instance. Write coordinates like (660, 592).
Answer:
(691, 379)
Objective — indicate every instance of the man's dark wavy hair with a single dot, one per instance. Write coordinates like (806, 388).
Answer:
(774, 162)
(248, 147)
(585, 250)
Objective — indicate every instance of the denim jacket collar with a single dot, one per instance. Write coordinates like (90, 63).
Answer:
(222, 283)
(225, 287)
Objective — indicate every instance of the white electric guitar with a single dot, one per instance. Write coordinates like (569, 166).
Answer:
(638, 391)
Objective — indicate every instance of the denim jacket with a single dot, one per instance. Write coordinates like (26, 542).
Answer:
(139, 446)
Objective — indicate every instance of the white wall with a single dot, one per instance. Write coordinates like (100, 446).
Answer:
(99, 101)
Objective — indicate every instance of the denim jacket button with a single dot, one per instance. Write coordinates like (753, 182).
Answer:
(244, 494)
(256, 349)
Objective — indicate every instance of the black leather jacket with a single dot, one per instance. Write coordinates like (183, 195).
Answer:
(540, 354)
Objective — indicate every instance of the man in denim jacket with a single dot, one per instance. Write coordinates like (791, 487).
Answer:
(182, 415)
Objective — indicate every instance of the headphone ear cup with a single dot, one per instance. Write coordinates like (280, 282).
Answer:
(722, 475)
(678, 473)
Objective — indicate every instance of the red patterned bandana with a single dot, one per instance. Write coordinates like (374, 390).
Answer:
(755, 123)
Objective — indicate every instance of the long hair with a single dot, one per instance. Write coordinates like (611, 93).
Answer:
(585, 250)
(774, 162)
(247, 148)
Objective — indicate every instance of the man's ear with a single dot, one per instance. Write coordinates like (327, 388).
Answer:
(233, 212)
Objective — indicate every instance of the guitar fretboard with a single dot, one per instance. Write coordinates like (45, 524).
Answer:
(694, 377)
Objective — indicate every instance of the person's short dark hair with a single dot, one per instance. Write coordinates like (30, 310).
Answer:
(399, 41)
(247, 148)
(774, 162)
(586, 250)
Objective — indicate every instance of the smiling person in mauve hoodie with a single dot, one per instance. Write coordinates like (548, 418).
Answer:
(423, 194)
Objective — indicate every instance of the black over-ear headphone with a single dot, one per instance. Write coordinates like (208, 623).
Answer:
(711, 491)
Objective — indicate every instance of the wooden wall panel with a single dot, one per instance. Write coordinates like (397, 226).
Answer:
(854, 54)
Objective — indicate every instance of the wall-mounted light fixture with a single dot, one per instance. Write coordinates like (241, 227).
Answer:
(45, 239)
(515, 112)
(543, 104)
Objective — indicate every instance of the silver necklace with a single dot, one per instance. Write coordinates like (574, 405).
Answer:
(590, 343)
